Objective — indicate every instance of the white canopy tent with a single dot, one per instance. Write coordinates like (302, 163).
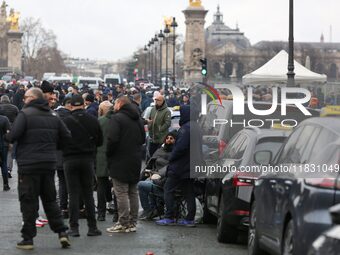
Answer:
(275, 72)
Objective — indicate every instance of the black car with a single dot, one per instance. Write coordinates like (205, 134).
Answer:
(290, 208)
(227, 196)
(329, 242)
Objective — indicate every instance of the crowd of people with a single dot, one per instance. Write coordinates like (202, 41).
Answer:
(94, 140)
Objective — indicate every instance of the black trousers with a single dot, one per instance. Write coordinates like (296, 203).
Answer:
(187, 187)
(30, 188)
(79, 175)
(63, 194)
(103, 194)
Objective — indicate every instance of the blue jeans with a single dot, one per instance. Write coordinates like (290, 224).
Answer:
(147, 191)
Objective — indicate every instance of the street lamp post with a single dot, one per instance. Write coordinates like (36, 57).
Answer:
(149, 68)
(145, 74)
(174, 25)
(155, 42)
(151, 59)
(160, 36)
(166, 32)
(291, 74)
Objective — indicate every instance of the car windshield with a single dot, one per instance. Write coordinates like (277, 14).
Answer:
(112, 81)
(88, 81)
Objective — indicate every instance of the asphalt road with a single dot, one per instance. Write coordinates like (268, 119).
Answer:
(172, 240)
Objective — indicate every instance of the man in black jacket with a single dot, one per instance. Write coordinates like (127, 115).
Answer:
(79, 156)
(124, 151)
(38, 132)
(63, 112)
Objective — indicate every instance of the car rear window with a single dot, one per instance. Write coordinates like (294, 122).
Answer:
(272, 144)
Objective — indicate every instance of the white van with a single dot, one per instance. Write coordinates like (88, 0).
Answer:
(112, 79)
(92, 82)
(60, 79)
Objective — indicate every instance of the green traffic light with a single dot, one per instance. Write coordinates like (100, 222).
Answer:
(204, 71)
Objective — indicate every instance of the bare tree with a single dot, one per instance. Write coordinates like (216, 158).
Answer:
(40, 49)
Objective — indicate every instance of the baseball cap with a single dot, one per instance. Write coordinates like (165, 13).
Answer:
(77, 100)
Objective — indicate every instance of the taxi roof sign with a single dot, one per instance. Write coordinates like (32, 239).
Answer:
(330, 110)
(278, 126)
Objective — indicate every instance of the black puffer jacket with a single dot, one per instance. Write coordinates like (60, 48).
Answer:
(124, 149)
(38, 131)
(9, 110)
(86, 136)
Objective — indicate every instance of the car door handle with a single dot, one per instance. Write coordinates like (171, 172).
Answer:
(288, 183)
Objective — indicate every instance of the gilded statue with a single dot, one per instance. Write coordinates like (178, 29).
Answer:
(13, 19)
(167, 22)
(195, 3)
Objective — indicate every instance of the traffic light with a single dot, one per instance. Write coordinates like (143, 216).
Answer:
(204, 68)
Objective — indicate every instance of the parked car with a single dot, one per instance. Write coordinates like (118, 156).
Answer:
(228, 197)
(329, 241)
(290, 209)
(218, 137)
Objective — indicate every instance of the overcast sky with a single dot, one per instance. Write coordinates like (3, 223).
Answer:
(113, 29)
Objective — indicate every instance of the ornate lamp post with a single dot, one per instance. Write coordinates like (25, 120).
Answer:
(145, 73)
(291, 74)
(149, 69)
(155, 40)
(174, 25)
(151, 59)
(166, 32)
(161, 37)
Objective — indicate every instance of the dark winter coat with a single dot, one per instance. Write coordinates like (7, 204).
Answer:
(93, 109)
(62, 113)
(4, 128)
(39, 132)
(124, 147)
(101, 160)
(9, 110)
(18, 98)
(86, 136)
(186, 155)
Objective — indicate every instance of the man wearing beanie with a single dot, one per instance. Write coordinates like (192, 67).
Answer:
(91, 105)
(79, 156)
(48, 91)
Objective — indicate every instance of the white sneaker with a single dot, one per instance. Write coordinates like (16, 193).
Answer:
(39, 224)
(118, 228)
(133, 227)
(42, 220)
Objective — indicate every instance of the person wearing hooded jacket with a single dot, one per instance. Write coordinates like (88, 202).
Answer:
(185, 155)
(126, 136)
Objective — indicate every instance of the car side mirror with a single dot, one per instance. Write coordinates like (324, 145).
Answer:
(335, 214)
(263, 157)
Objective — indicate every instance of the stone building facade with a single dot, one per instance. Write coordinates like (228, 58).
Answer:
(230, 54)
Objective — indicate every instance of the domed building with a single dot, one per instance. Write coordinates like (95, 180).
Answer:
(230, 54)
(218, 34)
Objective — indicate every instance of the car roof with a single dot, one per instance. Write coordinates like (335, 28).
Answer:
(266, 132)
(330, 123)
